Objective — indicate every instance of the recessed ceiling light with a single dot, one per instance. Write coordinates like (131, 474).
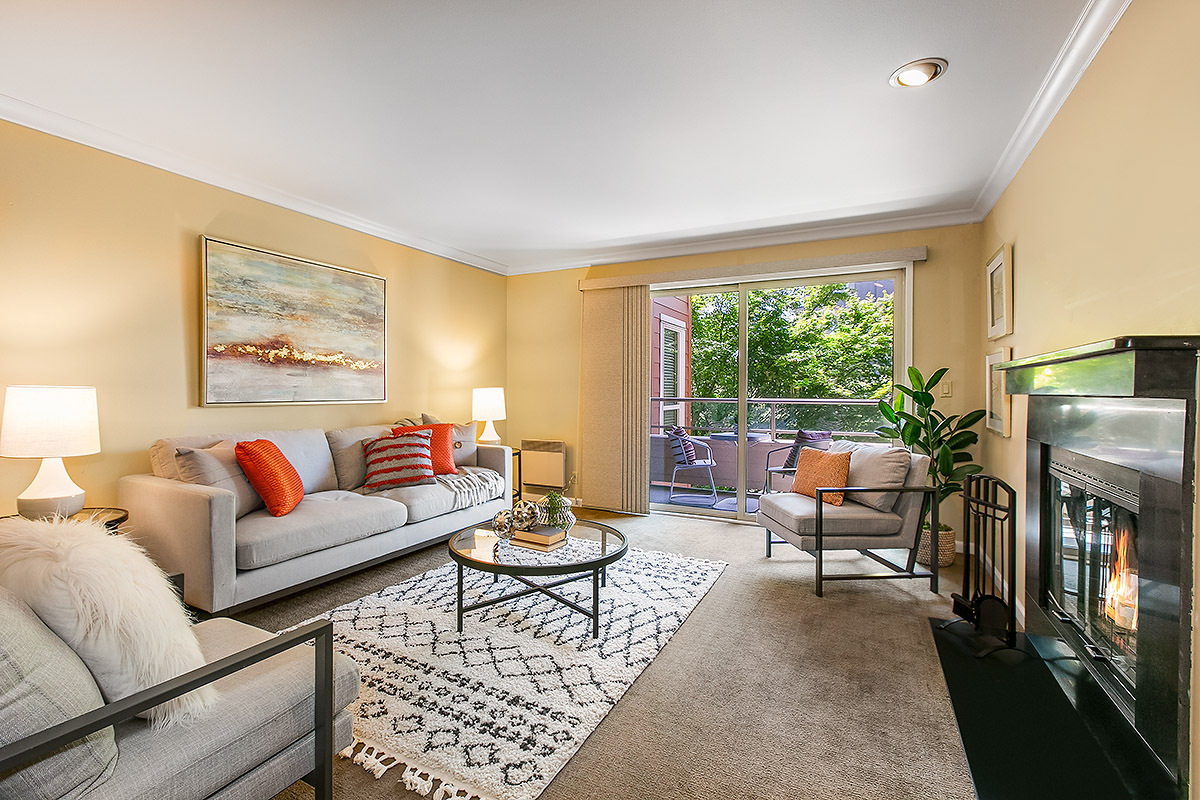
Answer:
(918, 73)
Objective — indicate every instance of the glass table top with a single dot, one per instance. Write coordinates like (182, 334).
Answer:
(589, 545)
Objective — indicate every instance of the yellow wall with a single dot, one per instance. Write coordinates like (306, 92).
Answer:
(544, 323)
(100, 263)
(1102, 216)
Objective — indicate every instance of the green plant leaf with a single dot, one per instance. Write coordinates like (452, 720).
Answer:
(970, 418)
(924, 399)
(887, 432)
(909, 433)
(914, 377)
(945, 460)
(962, 456)
(943, 426)
(904, 390)
(948, 489)
(962, 439)
(958, 473)
(934, 378)
(886, 410)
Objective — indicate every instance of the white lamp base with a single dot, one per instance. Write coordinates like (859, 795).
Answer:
(51, 494)
(489, 435)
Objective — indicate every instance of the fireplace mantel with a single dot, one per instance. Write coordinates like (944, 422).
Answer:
(1127, 366)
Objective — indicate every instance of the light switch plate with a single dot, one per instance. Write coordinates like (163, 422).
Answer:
(947, 388)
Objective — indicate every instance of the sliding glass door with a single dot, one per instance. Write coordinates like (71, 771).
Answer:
(742, 371)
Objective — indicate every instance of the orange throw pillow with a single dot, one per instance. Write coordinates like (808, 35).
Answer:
(441, 446)
(271, 475)
(820, 468)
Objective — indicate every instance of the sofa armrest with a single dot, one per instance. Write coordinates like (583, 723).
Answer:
(31, 748)
(187, 528)
(498, 458)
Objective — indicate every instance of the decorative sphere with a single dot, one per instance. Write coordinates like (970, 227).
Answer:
(525, 515)
(502, 523)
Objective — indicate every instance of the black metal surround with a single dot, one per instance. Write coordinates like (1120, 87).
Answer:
(1129, 403)
(595, 568)
(31, 748)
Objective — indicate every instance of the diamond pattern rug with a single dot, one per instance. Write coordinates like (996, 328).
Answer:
(496, 711)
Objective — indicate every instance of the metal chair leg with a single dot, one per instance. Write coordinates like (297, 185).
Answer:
(768, 532)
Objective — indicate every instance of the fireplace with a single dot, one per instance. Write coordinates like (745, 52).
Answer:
(1108, 542)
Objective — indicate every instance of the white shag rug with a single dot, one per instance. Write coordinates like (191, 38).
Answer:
(496, 711)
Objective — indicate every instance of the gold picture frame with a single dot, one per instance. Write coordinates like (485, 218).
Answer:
(999, 402)
(998, 282)
(285, 330)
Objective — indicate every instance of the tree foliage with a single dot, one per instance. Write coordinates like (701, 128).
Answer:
(822, 341)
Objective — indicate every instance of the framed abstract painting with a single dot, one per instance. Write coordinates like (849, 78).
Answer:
(999, 402)
(998, 276)
(279, 329)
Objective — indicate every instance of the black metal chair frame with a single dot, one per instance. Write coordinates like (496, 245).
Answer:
(768, 470)
(31, 748)
(710, 463)
(909, 570)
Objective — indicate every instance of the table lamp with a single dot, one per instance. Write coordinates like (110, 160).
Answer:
(488, 404)
(50, 423)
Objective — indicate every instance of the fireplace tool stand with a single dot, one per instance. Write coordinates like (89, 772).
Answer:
(988, 599)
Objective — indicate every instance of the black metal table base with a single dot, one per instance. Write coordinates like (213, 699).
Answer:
(599, 578)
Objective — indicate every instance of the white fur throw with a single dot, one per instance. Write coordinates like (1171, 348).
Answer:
(105, 598)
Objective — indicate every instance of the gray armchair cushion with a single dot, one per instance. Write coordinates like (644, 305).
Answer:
(43, 683)
(875, 465)
(262, 710)
(798, 513)
(321, 520)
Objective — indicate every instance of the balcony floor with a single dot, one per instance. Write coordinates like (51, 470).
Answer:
(699, 500)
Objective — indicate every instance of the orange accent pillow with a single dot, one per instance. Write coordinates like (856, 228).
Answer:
(441, 446)
(271, 475)
(820, 468)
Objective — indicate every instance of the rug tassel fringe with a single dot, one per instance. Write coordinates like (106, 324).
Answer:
(415, 779)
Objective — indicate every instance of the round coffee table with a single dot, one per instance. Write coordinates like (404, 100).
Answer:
(590, 548)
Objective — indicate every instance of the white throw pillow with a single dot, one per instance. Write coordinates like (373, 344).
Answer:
(103, 596)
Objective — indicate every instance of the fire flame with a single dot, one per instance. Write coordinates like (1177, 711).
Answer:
(1121, 599)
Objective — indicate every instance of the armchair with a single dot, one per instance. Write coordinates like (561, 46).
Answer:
(682, 463)
(274, 723)
(816, 527)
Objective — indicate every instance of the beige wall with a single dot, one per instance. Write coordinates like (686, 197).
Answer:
(101, 286)
(544, 320)
(1102, 216)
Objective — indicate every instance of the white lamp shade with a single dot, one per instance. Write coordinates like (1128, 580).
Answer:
(49, 422)
(488, 403)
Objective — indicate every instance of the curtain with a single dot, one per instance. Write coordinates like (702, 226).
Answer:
(615, 399)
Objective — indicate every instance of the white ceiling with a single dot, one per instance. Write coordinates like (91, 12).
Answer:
(522, 136)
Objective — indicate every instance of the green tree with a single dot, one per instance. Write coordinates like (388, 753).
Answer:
(821, 341)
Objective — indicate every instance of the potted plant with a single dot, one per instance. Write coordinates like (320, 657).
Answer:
(944, 439)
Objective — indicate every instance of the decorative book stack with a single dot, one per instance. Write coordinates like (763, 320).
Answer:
(540, 537)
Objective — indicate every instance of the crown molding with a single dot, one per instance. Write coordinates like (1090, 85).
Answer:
(1091, 30)
(745, 241)
(64, 127)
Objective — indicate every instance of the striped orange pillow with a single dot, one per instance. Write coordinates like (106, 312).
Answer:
(820, 468)
(271, 475)
(441, 445)
(398, 459)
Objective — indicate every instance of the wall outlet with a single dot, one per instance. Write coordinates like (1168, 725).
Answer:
(947, 388)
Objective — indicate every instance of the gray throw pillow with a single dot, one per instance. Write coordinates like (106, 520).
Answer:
(43, 683)
(463, 439)
(218, 466)
(875, 465)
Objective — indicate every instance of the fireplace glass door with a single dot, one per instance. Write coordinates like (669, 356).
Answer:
(1094, 573)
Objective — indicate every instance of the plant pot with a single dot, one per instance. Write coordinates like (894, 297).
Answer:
(946, 551)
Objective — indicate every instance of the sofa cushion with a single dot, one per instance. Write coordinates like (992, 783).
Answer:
(422, 501)
(262, 710)
(346, 445)
(43, 683)
(218, 466)
(875, 465)
(323, 519)
(464, 436)
(399, 459)
(798, 513)
(307, 450)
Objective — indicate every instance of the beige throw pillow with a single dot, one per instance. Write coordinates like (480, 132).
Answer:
(218, 466)
(875, 465)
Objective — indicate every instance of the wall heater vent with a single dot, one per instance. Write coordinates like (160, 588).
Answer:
(544, 463)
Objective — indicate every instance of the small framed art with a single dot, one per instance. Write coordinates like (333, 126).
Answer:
(998, 279)
(999, 402)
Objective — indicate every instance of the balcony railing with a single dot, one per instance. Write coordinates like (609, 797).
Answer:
(846, 417)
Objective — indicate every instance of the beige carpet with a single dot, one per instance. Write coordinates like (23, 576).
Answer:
(767, 691)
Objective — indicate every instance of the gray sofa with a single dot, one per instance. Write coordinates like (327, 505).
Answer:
(279, 717)
(230, 561)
